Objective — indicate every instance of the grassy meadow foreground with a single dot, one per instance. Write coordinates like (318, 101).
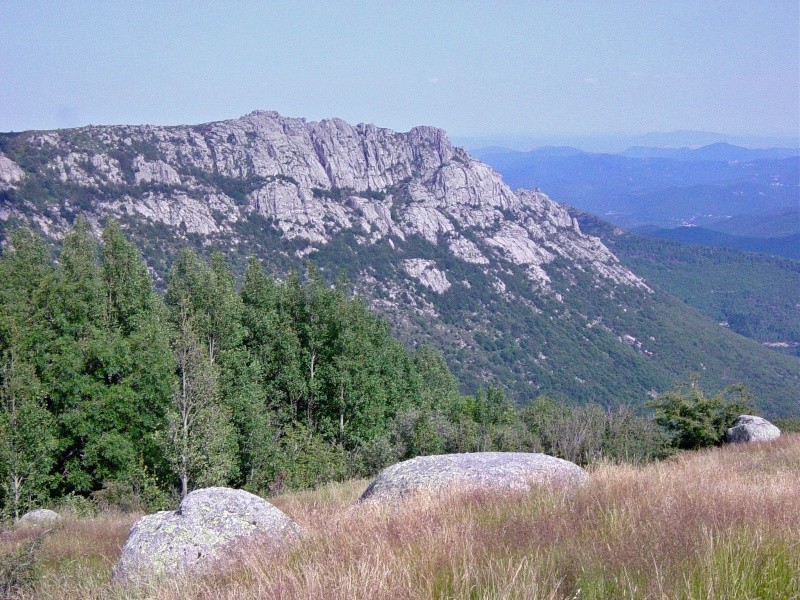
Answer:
(721, 523)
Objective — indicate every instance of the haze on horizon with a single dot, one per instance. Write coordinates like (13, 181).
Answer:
(546, 70)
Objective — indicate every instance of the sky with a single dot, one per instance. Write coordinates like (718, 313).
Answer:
(536, 67)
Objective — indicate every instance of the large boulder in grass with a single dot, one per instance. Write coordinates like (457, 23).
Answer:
(41, 517)
(747, 428)
(203, 531)
(501, 471)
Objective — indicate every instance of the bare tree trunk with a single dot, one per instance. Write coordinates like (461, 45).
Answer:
(17, 484)
(311, 390)
(185, 410)
(341, 413)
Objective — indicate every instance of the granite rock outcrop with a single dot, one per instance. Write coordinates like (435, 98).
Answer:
(312, 181)
(492, 471)
(201, 535)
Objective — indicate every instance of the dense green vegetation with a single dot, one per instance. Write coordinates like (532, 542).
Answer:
(786, 246)
(113, 392)
(754, 295)
(575, 350)
(695, 420)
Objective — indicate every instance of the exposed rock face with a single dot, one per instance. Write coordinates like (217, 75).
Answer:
(427, 274)
(747, 428)
(155, 172)
(39, 517)
(204, 529)
(486, 470)
(9, 171)
(313, 181)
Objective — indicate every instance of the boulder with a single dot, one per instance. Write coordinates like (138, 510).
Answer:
(204, 530)
(747, 428)
(39, 517)
(485, 470)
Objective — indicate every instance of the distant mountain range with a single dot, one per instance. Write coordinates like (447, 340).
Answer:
(720, 151)
(734, 190)
(609, 143)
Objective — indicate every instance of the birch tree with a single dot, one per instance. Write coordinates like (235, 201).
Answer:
(27, 440)
(200, 438)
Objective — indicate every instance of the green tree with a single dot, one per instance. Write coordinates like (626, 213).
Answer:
(130, 300)
(136, 319)
(214, 305)
(199, 441)
(109, 363)
(26, 276)
(27, 440)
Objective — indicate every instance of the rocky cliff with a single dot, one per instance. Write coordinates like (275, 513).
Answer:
(311, 181)
(502, 281)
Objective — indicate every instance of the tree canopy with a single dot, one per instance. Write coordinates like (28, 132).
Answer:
(112, 391)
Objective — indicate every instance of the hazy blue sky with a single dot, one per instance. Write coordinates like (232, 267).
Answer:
(474, 68)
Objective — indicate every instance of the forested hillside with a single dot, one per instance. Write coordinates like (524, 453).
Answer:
(754, 295)
(109, 390)
(504, 284)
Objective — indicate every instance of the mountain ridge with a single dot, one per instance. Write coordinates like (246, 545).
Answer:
(503, 282)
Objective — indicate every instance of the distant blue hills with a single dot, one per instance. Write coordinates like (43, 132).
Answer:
(712, 152)
(617, 143)
(731, 196)
(720, 151)
(786, 246)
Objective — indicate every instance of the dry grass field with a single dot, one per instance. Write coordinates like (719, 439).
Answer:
(715, 524)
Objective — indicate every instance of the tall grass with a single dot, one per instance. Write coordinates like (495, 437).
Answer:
(715, 524)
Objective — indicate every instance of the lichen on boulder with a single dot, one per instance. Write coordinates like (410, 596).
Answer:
(203, 531)
(514, 471)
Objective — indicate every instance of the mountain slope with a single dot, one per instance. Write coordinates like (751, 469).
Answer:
(753, 294)
(785, 246)
(504, 283)
(761, 226)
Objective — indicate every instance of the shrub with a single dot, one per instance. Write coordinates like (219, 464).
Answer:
(17, 571)
(305, 460)
(372, 456)
(584, 434)
(694, 420)
(136, 493)
(788, 424)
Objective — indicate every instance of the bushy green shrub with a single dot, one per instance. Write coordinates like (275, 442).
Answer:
(305, 460)
(583, 434)
(138, 492)
(694, 420)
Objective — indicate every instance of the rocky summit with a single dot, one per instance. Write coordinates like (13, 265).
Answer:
(311, 181)
(503, 282)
